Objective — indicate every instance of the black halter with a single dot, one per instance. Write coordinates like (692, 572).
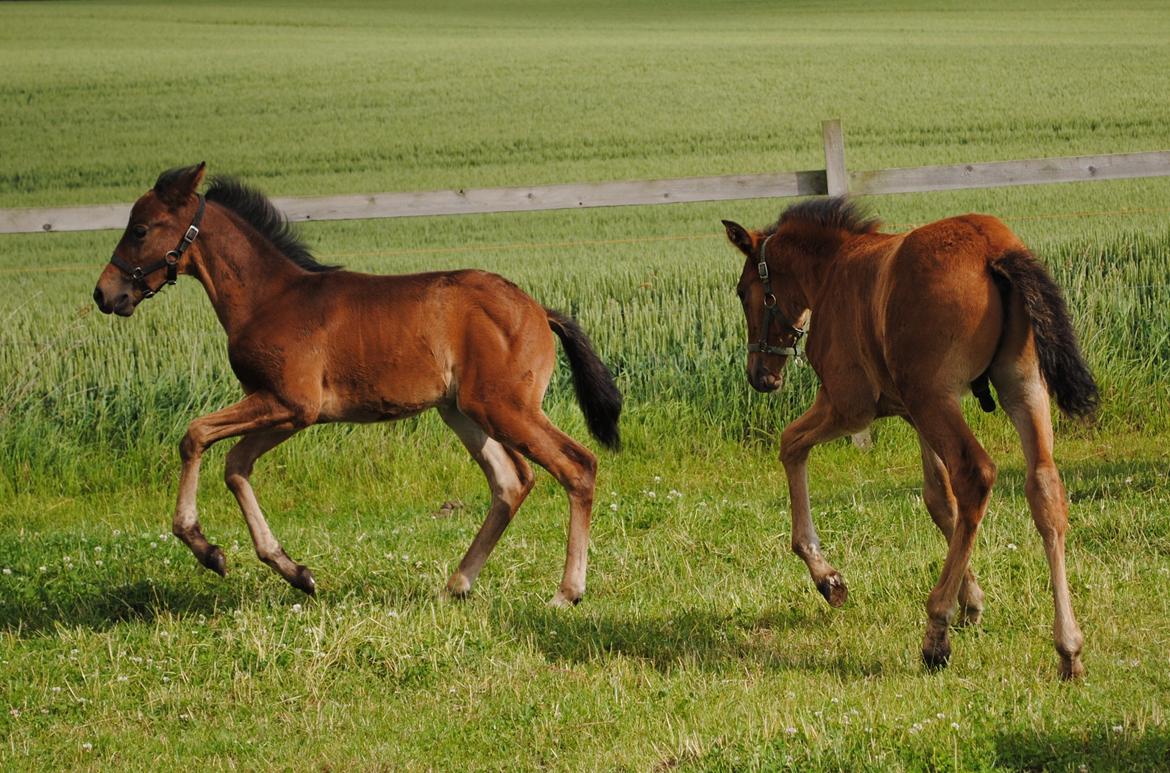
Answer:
(770, 312)
(170, 261)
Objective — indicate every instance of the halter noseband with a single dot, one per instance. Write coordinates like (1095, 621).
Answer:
(770, 312)
(170, 261)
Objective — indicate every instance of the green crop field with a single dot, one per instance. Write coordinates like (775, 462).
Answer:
(701, 644)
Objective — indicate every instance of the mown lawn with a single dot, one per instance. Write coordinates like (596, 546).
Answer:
(701, 643)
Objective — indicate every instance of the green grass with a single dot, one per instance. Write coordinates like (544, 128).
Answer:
(701, 643)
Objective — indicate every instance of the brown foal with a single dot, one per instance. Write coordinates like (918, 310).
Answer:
(313, 344)
(904, 325)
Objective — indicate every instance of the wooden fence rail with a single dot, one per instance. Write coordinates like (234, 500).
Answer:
(835, 179)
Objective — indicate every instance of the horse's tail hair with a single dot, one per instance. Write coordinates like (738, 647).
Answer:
(597, 394)
(1061, 362)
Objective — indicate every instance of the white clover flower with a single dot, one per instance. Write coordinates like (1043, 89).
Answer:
(613, 507)
(6, 570)
(296, 609)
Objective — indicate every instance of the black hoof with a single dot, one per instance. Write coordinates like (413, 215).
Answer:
(216, 561)
(937, 659)
(303, 581)
(834, 590)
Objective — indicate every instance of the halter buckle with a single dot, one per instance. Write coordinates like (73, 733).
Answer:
(192, 233)
(763, 269)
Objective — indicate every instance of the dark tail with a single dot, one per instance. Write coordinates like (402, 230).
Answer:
(1061, 362)
(597, 394)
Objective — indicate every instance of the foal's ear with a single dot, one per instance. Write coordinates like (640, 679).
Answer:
(175, 186)
(739, 236)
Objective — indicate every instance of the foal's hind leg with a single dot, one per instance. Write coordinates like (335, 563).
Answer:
(941, 426)
(237, 470)
(510, 479)
(257, 411)
(944, 511)
(1025, 400)
(573, 465)
(819, 424)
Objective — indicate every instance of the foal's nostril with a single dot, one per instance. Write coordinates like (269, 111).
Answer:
(97, 296)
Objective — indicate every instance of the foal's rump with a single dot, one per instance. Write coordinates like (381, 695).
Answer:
(971, 276)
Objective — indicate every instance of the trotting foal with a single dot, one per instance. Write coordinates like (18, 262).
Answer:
(312, 344)
(904, 325)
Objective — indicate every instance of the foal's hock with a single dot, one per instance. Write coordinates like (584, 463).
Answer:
(311, 343)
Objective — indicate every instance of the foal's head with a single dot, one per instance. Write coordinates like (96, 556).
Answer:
(772, 304)
(154, 247)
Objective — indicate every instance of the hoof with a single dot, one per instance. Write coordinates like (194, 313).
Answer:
(458, 587)
(936, 659)
(833, 589)
(936, 651)
(1071, 668)
(303, 581)
(215, 561)
(564, 601)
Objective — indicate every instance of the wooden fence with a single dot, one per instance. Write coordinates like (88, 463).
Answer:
(834, 179)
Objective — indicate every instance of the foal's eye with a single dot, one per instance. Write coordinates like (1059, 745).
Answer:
(140, 230)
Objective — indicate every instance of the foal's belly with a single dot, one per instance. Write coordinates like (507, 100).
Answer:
(366, 401)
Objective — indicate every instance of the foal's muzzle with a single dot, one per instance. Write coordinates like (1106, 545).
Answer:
(118, 303)
(764, 380)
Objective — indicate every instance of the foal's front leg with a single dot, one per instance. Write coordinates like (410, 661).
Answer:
(817, 425)
(255, 412)
(237, 471)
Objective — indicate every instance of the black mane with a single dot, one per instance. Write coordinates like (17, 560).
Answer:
(256, 210)
(839, 212)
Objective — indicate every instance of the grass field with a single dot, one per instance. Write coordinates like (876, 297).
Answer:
(701, 643)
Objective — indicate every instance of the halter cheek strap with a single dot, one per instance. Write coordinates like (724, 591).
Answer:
(170, 261)
(770, 313)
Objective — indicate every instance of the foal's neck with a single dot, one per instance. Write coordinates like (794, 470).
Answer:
(240, 269)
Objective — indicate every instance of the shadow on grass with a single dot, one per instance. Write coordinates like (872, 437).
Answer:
(1096, 749)
(692, 638)
(102, 608)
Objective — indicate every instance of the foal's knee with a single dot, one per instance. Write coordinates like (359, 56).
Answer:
(192, 445)
(972, 484)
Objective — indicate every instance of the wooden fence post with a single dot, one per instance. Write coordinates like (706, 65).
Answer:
(836, 178)
(837, 184)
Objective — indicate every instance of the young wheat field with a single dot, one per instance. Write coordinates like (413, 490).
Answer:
(701, 644)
